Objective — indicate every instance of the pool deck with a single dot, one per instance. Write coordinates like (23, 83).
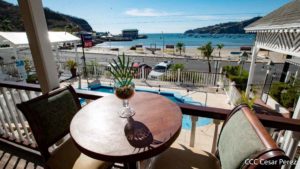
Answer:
(204, 134)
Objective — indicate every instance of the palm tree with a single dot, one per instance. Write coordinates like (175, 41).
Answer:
(220, 46)
(180, 47)
(206, 51)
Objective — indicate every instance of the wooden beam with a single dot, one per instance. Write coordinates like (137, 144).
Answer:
(33, 15)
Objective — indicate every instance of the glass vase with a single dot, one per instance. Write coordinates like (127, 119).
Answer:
(125, 92)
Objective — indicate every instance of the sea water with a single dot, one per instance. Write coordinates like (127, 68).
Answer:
(190, 41)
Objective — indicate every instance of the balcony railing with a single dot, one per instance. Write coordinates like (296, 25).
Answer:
(15, 129)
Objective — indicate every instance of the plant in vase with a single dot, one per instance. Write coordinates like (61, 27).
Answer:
(71, 64)
(121, 70)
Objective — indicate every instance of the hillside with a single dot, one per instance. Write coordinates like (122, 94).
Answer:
(10, 19)
(224, 28)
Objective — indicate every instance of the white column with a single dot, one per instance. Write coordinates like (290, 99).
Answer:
(194, 120)
(37, 32)
(252, 69)
(287, 77)
(215, 138)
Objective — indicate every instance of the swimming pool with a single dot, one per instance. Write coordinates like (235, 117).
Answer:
(173, 96)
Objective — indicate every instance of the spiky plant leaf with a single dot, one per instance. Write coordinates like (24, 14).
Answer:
(121, 71)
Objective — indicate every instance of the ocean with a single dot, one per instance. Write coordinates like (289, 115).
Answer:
(190, 41)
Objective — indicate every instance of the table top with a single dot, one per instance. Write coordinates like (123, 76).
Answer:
(100, 133)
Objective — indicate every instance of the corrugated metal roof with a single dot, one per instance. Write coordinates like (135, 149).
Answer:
(285, 17)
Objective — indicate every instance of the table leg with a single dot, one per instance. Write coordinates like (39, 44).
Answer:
(131, 165)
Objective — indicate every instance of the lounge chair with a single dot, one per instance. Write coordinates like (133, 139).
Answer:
(49, 117)
(242, 137)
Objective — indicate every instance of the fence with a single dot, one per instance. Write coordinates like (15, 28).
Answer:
(178, 77)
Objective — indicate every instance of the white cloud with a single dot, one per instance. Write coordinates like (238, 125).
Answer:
(148, 12)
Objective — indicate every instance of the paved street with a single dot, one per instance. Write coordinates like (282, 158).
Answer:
(190, 64)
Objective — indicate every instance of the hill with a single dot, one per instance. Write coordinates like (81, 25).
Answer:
(10, 19)
(224, 28)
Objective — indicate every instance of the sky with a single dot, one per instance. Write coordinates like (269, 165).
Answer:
(156, 16)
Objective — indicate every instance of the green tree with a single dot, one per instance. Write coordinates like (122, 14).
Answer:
(220, 47)
(72, 28)
(177, 66)
(207, 51)
(6, 25)
(180, 47)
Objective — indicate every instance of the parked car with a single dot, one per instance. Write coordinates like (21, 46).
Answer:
(159, 69)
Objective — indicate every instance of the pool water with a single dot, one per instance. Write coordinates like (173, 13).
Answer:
(186, 120)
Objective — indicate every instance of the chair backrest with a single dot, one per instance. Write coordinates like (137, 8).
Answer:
(50, 115)
(244, 137)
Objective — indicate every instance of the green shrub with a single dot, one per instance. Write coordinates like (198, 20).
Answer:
(32, 79)
(285, 94)
(234, 74)
(287, 98)
(177, 66)
(276, 89)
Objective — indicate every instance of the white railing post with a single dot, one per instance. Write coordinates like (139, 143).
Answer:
(12, 114)
(287, 77)
(143, 74)
(6, 117)
(298, 164)
(230, 92)
(23, 99)
(21, 118)
(6, 130)
(178, 76)
(292, 148)
(215, 139)
(291, 139)
(194, 120)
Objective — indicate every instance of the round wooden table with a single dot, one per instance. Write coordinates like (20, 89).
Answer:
(100, 133)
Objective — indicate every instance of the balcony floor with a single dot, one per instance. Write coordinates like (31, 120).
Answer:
(12, 157)
(15, 158)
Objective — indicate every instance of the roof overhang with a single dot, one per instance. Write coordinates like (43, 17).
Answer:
(286, 18)
(273, 29)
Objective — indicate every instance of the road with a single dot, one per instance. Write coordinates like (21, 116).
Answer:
(189, 64)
